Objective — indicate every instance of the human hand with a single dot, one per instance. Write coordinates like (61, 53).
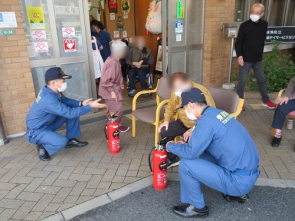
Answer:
(95, 104)
(122, 87)
(187, 135)
(88, 101)
(241, 60)
(164, 124)
(114, 96)
(281, 100)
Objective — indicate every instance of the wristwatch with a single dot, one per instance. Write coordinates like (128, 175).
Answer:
(81, 104)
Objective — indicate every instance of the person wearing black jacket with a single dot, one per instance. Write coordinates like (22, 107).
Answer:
(249, 49)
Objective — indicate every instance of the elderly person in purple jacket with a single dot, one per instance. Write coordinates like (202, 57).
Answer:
(111, 82)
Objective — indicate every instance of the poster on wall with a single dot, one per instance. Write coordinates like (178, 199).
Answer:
(125, 15)
(36, 18)
(68, 32)
(112, 6)
(125, 6)
(8, 20)
(124, 34)
(70, 45)
(112, 16)
(116, 34)
(41, 47)
(159, 60)
(120, 23)
(38, 35)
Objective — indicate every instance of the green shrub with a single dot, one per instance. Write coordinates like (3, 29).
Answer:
(278, 70)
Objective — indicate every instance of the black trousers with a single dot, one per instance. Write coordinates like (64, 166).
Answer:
(280, 114)
(141, 72)
(176, 128)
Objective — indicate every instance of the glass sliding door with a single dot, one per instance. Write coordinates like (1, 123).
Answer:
(56, 35)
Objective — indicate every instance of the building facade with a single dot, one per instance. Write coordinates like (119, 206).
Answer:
(23, 66)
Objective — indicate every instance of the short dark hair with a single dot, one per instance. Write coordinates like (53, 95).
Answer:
(47, 82)
(125, 41)
(179, 75)
(97, 24)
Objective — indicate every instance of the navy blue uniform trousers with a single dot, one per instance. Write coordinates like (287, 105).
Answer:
(53, 141)
(205, 170)
(280, 114)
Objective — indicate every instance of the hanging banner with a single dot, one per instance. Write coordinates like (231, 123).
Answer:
(8, 20)
(120, 23)
(41, 47)
(125, 6)
(70, 45)
(38, 35)
(36, 18)
(68, 32)
(112, 6)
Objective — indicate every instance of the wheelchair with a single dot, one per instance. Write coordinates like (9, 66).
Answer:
(148, 76)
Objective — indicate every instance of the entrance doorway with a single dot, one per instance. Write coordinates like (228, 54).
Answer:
(58, 34)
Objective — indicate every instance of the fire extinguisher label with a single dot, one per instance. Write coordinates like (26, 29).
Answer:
(163, 166)
(116, 134)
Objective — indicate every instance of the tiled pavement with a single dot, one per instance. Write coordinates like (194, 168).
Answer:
(31, 189)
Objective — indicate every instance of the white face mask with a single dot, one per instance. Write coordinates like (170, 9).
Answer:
(63, 87)
(254, 18)
(185, 88)
(178, 93)
(190, 115)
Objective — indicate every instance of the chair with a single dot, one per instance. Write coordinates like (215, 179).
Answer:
(154, 114)
(227, 101)
(289, 115)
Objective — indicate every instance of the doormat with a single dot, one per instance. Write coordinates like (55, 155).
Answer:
(258, 107)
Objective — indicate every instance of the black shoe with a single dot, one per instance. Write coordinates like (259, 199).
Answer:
(43, 154)
(76, 143)
(190, 211)
(173, 162)
(276, 141)
(240, 199)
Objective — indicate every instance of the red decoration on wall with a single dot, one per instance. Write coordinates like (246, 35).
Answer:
(113, 6)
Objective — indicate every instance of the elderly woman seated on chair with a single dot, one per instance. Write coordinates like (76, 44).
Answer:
(286, 104)
(140, 59)
(183, 126)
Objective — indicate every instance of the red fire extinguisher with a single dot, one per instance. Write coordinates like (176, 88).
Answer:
(159, 169)
(112, 134)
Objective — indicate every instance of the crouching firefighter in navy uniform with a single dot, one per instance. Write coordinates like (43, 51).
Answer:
(51, 110)
(220, 154)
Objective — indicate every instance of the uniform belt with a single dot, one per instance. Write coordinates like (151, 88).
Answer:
(246, 172)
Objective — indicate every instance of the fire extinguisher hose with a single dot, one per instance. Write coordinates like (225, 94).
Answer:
(105, 131)
(149, 159)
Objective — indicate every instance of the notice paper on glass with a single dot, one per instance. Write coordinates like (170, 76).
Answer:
(8, 20)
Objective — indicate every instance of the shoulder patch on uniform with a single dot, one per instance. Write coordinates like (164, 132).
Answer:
(224, 117)
(38, 97)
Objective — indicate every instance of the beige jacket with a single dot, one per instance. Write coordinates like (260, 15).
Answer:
(175, 102)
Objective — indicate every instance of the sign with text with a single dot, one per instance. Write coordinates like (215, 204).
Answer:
(8, 20)
(36, 17)
(70, 45)
(41, 47)
(284, 34)
(68, 32)
(38, 35)
(7, 32)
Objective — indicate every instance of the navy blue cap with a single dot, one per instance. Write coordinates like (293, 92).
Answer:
(55, 73)
(195, 95)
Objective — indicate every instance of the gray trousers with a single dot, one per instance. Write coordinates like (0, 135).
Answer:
(259, 75)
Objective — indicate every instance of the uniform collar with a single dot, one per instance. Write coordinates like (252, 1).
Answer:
(48, 90)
